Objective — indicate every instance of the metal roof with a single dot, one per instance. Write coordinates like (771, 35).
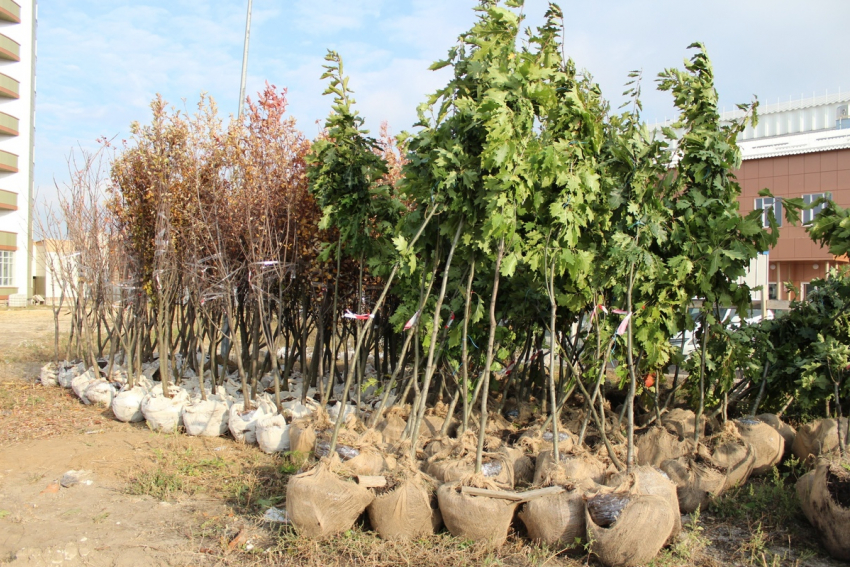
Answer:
(792, 144)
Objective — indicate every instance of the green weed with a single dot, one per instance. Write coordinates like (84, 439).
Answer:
(158, 483)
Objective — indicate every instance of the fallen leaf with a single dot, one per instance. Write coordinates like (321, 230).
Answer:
(240, 538)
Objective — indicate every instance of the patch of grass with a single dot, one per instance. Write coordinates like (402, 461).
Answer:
(39, 350)
(756, 546)
(768, 501)
(359, 547)
(100, 517)
(160, 484)
(292, 461)
(688, 549)
(4, 513)
(33, 478)
(240, 475)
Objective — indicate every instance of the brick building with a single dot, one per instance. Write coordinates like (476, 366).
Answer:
(799, 149)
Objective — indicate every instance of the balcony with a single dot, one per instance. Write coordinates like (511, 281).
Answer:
(9, 87)
(8, 125)
(9, 49)
(8, 162)
(10, 11)
(8, 201)
(8, 241)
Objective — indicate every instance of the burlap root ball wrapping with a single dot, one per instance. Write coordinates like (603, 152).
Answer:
(576, 467)
(557, 519)
(788, 433)
(407, 512)
(830, 518)
(658, 445)
(681, 423)
(733, 456)
(321, 504)
(696, 483)
(818, 438)
(641, 530)
(767, 443)
(477, 518)
(655, 482)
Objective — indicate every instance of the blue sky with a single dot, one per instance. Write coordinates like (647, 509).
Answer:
(100, 62)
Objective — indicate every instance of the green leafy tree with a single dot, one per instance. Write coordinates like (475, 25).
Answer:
(708, 227)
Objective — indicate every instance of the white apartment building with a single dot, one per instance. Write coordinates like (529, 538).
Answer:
(17, 129)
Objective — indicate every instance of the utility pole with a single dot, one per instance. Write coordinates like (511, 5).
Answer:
(245, 60)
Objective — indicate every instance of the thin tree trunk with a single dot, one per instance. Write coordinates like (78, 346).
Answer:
(488, 361)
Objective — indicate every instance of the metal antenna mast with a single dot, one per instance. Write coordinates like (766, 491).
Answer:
(245, 59)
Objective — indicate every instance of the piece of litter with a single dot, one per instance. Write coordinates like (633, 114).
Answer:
(276, 516)
(219, 448)
(52, 488)
(491, 469)
(72, 478)
(249, 546)
(84, 539)
(94, 431)
(240, 539)
(88, 482)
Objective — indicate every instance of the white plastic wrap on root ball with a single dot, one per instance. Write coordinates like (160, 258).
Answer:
(127, 404)
(81, 383)
(333, 412)
(164, 414)
(65, 377)
(297, 410)
(49, 375)
(206, 418)
(100, 393)
(243, 424)
(273, 434)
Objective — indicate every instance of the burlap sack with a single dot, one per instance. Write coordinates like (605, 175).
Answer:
(456, 461)
(681, 422)
(639, 533)
(302, 436)
(555, 520)
(437, 446)
(406, 512)
(788, 433)
(476, 518)
(696, 482)
(577, 467)
(368, 459)
(818, 438)
(824, 495)
(433, 424)
(733, 456)
(321, 504)
(391, 427)
(653, 481)
(768, 445)
(522, 464)
(535, 440)
(369, 462)
(658, 445)
(497, 468)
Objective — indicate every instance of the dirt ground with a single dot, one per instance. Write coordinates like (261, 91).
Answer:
(146, 498)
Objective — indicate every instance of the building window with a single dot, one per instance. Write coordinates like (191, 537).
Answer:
(7, 263)
(771, 291)
(807, 289)
(810, 214)
(766, 204)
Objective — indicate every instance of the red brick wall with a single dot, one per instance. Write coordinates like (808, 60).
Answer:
(794, 176)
